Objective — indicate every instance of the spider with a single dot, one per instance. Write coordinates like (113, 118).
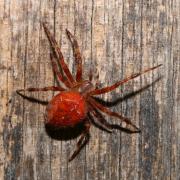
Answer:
(75, 103)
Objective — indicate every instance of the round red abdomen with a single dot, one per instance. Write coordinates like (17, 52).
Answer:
(66, 109)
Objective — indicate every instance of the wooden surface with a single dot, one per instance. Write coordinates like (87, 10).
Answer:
(117, 37)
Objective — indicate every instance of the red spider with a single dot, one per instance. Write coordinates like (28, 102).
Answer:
(75, 103)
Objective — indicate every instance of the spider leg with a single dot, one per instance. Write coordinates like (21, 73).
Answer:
(90, 75)
(82, 141)
(57, 72)
(77, 55)
(51, 88)
(126, 123)
(95, 78)
(102, 123)
(114, 86)
(57, 51)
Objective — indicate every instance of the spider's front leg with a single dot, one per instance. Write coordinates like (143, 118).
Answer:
(82, 141)
(56, 71)
(77, 55)
(59, 56)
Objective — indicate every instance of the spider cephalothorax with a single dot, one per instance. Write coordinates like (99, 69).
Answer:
(75, 103)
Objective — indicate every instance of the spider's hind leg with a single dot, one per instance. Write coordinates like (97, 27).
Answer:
(82, 141)
(101, 121)
(126, 123)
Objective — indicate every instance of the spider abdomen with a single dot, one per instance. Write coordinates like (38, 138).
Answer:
(66, 109)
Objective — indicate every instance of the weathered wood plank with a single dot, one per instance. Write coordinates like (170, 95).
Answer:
(116, 38)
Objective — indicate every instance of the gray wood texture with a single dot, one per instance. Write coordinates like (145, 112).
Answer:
(117, 38)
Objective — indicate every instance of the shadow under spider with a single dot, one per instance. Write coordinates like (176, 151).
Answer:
(66, 133)
(73, 132)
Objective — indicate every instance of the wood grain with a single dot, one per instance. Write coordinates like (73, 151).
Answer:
(117, 38)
